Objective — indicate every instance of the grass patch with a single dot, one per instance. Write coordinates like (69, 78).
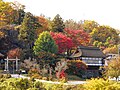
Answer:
(74, 77)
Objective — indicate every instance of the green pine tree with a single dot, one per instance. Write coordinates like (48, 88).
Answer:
(27, 33)
(58, 24)
(45, 45)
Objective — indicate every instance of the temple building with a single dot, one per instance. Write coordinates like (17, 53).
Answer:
(93, 57)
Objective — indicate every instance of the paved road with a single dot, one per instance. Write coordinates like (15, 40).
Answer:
(76, 82)
(68, 83)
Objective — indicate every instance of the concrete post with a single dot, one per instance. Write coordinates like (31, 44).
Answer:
(7, 64)
(16, 64)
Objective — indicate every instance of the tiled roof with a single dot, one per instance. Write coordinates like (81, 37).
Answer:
(89, 52)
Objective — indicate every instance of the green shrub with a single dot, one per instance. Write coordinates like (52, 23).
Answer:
(32, 79)
(44, 78)
(33, 71)
(101, 84)
(2, 79)
(76, 67)
(49, 86)
(36, 76)
(32, 89)
(7, 76)
(63, 80)
(50, 78)
(74, 77)
(25, 84)
(1, 75)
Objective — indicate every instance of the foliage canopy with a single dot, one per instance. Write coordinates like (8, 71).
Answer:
(45, 43)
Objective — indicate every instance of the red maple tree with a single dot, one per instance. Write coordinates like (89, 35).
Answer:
(79, 37)
(64, 43)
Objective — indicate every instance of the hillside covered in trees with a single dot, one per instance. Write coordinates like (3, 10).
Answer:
(22, 31)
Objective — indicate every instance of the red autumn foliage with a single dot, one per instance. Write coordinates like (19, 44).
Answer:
(79, 37)
(61, 74)
(64, 43)
(13, 53)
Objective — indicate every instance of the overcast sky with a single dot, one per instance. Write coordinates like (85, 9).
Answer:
(105, 12)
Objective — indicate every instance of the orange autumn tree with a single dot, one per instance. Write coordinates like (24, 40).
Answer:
(44, 25)
(13, 53)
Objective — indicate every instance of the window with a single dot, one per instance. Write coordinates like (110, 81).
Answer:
(83, 58)
(100, 61)
(96, 58)
(90, 58)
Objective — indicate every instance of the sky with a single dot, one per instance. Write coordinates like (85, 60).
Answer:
(105, 12)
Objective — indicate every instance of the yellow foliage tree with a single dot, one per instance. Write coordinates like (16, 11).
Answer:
(113, 68)
(6, 13)
(113, 50)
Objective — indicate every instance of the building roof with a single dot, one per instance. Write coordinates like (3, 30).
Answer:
(83, 51)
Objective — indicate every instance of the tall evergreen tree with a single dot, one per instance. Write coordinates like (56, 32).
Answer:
(58, 24)
(45, 45)
(19, 12)
(27, 32)
(20, 16)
